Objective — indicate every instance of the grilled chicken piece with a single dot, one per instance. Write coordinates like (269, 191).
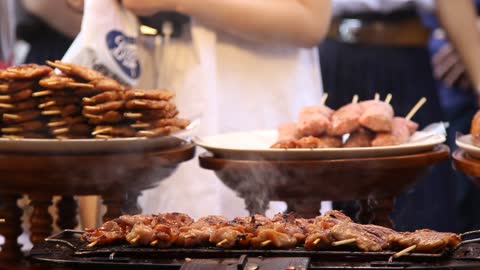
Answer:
(16, 97)
(175, 219)
(271, 237)
(24, 72)
(21, 116)
(149, 115)
(288, 132)
(321, 109)
(14, 86)
(152, 94)
(199, 232)
(158, 132)
(146, 104)
(360, 138)
(345, 119)
(427, 241)
(103, 107)
(130, 220)
(57, 82)
(77, 70)
(475, 129)
(377, 116)
(140, 235)
(103, 97)
(230, 235)
(366, 240)
(110, 232)
(402, 129)
(314, 124)
(106, 84)
(109, 117)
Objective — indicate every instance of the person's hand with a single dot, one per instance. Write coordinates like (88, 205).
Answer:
(448, 67)
(149, 7)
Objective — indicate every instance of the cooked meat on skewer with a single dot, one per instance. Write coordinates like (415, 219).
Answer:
(174, 219)
(288, 132)
(76, 70)
(14, 86)
(314, 124)
(20, 106)
(57, 101)
(109, 117)
(65, 121)
(311, 142)
(110, 232)
(153, 94)
(60, 82)
(149, 115)
(402, 129)
(427, 241)
(377, 116)
(345, 119)
(317, 109)
(107, 84)
(475, 129)
(360, 138)
(174, 122)
(104, 107)
(24, 127)
(21, 116)
(17, 96)
(199, 232)
(365, 240)
(158, 132)
(116, 131)
(146, 104)
(74, 129)
(230, 235)
(24, 72)
(66, 111)
(103, 97)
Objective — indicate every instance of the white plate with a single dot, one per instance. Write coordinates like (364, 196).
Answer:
(256, 145)
(79, 146)
(465, 143)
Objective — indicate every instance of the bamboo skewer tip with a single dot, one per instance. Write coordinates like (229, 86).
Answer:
(355, 99)
(42, 93)
(219, 244)
(100, 131)
(316, 241)
(404, 251)
(388, 98)
(10, 116)
(265, 243)
(6, 106)
(416, 108)
(344, 242)
(135, 240)
(92, 244)
(324, 99)
(154, 243)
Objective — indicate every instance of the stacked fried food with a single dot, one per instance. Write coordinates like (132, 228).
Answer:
(284, 231)
(77, 102)
(367, 123)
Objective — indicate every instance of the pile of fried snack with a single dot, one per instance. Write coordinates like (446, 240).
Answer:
(79, 103)
(368, 123)
(284, 231)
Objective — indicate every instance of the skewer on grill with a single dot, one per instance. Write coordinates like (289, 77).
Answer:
(6, 106)
(388, 98)
(317, 241)
(344, 242)
(265, 243)
(219, 244)
(154, 243)
(324, 99)
(100, 131)
(92, 244)
(47, 104)
(51, 112)
(402, 252)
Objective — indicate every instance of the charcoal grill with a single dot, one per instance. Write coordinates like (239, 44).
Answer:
(67, 248)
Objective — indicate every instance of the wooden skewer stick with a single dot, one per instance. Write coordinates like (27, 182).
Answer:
(42, 93)
(416, 108)
(92, 244)
(139, 94)
(59, 66)
(88, 100)
(2, 220)
(135, 240)
(10, 116)
(83, 85)
(265, 243)
(147, 132)
(377, 96)
(51, 112)
(316, 241)
(324, 99)
(219, 244)
(133, 115)
(100, 131)
(344, 242)
(140, 125)
(405, 251)
(11, 130)
(92, 107)
(154, 243)
(57, 124)
(60, 131)
(388, 98)
(355, 99)
(141, 103)
(6, 106)
(47, 104)
(3, 87)
(103, 136)
(5, 97)
(92, 116)
(189, 235)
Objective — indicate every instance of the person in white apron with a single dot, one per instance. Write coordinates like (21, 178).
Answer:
(245, 71)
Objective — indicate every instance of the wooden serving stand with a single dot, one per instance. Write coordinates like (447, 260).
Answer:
(466, 164)
(119, 178)
(303, 184)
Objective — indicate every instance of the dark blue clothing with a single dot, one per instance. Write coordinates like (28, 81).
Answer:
(459, 107)
(350, 69)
